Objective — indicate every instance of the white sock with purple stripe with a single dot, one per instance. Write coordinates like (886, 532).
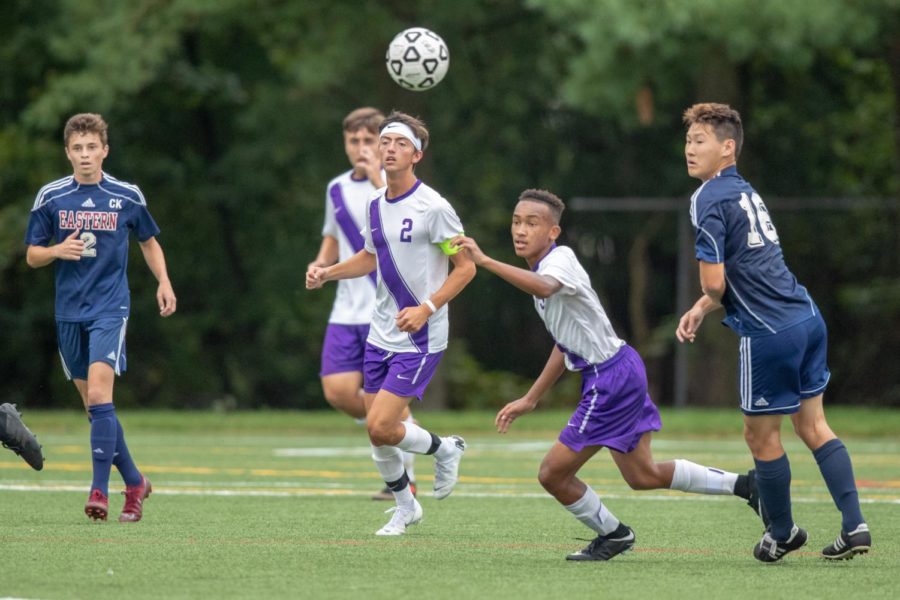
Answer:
(697, 479)
(593, 513)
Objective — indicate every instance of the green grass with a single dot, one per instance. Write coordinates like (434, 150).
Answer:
(277, 505)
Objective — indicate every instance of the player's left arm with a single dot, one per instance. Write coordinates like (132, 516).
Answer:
(541, 286)
(413, 318)
(156, 261)
(712, 280)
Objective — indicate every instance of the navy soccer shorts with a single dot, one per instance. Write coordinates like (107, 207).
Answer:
(84, 343)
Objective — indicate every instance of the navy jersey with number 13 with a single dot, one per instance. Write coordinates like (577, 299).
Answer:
(733, 227)
(105, 213)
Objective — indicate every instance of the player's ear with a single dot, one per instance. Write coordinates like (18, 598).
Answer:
(728, 147)
(555, 231)
(417, 156)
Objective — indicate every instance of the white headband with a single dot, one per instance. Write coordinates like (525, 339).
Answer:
(404, 130)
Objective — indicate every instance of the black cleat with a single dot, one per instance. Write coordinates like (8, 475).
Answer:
(771, 550)
(848, 545)
(753, 499)
(608, 546)
(18, 438)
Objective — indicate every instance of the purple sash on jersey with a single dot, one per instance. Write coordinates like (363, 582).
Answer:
(393, 281)
(345, 222)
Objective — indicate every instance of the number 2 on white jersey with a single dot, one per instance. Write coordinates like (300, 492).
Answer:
(758, 213)
(90, 240)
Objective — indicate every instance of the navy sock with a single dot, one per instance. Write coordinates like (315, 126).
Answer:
(837, 470)
(103, 444)
(122, 459)
(773, 479)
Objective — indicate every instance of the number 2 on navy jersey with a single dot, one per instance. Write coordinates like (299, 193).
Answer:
(758, 213)
(90, 240)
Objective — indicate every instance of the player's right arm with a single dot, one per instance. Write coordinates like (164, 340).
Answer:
(526, 280)
(553, 370)
(691, 320)
(360, 264)
(68, 249)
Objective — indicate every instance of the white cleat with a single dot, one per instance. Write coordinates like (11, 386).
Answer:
(402, 518)
(446, 470)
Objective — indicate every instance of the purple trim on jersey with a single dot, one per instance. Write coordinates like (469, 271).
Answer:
(391, 277)
(345, 222)
(538, 263)
(577, 362)
(402, 196)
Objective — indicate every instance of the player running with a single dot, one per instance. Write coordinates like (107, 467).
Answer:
(88, 216)
(783, 346)
(407, 235)
(615, 410)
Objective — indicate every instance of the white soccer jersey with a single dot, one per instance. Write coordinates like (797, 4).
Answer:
(345, 217)
(403, 233)
(573, 315)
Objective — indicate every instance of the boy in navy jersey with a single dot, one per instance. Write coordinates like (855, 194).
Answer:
(346, 200)
(783, 368)
(407, 239)
(82, 223)
(615, 411)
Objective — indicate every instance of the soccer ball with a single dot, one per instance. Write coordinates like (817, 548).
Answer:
(417, 59)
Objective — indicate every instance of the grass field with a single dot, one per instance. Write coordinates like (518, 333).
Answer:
(276, 505)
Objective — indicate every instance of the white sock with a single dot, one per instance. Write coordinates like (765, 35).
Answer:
(409, 458)
(389, 460)
(415, 440)
(593, 513)
(691, 477)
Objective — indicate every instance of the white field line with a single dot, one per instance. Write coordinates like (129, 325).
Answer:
(306, 492)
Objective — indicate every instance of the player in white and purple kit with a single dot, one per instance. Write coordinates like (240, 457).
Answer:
(82, 223)
(407, 233)
(784, 342)
(347, 197)
(615, 411)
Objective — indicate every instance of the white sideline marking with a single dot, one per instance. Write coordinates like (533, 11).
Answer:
(306, 492)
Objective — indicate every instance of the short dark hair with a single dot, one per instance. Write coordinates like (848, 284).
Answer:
(367, 117)
(724, 120)
(85, 123)
(557, 206)
(417, 125)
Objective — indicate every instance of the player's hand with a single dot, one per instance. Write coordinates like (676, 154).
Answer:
(315, 277)
(165, 298)
(471, 247)
(70, 248)
(688, 325)
(510, 412)
(412, 318)
(371, 162)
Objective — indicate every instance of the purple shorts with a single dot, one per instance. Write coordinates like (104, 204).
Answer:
(405, 374)
(615, 408)
(343, 349)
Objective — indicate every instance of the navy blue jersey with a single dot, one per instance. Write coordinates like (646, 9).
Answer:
(733, 227)
(105, 213)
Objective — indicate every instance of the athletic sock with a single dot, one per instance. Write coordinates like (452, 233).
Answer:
(416, 439)
(837, 470)
(122, 459)
(389, 460)
(697, 479)
(409, 458)
(103, 444)
(593, 513)
(773, 480)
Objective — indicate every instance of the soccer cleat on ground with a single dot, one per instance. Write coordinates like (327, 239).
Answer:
(401, 519)
(97, 506)
(771, 550)
(134, 501)
(387, 494)
(446, 470)
(604, 547)
(754, 501)
(18, 438)
(848, 545)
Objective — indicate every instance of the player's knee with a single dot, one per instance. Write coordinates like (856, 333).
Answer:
(382, 433)
(813, 433)
(95, 398)
(549, 478)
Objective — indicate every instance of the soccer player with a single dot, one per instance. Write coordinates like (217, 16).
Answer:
(615, 410)
(89, 216)
(407, 234)
(18, 438)
(348, 325)
(783, 345)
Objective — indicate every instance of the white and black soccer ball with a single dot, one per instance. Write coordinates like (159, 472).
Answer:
(417, 59)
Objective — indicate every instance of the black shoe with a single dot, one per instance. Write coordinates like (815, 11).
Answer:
(753, 499)
(771, 550)
(605, 547)
(848, 545)
(15, 436)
